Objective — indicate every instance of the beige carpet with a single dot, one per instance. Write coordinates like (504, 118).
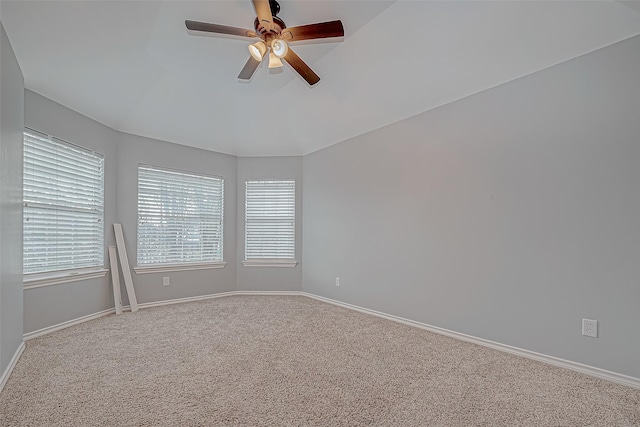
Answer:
(290, 361)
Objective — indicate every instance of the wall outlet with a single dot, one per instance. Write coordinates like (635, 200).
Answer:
(166, 281)
(590, 328)
(337, 281)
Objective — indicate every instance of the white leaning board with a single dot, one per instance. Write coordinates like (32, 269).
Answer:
(126, 270)
(115, 279)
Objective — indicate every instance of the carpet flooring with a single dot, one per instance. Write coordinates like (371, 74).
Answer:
(290, 361)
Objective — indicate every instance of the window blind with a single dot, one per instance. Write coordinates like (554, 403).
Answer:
(180, 217)
(270, 219)
(63, 199)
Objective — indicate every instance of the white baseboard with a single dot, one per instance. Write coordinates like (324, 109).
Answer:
(57, 327)
(282, 293)
(556, 361)
(12, 364)
(76, 321)
(53, 328)
(567, 364)
(181, 300)
(210, 296)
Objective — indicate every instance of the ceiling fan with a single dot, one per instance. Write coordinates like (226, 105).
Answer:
(274, 36)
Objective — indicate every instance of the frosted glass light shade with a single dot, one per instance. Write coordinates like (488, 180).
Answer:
(257, 50)
(274, 61)
(279, 48)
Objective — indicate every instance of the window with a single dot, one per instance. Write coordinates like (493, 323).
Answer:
(270, 223)
(63, 201)
(180, 219)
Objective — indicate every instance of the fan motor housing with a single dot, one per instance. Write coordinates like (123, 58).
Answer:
(278, 26)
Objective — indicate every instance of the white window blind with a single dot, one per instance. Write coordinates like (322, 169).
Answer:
(63, 199)
(270, 219)
(180, 217)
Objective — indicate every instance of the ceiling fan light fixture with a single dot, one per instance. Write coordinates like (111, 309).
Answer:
(279, 48)
(257, 50)
(274, 61)
(274, 38)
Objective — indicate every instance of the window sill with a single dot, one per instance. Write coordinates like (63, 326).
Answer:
(270, 263)
(38, 280)
(177, 267)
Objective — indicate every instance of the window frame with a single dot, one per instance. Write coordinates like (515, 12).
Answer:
(65, 275)
(146, 268)
(265, 261)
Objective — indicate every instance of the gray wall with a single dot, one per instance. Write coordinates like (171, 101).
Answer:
(509, 215)
(11, 126)
(269, 278)
(134, 150)
(55, 304)
(51, 305)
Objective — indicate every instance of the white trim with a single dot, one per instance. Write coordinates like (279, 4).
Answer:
(280, 293)
(39, 280)
(177, 267)
(551, 360)
(124, 263)
(115, 279)
(218, 295)
(12, 364)
(270, 263)
(187, 299)
(77, 321)
(72, 322)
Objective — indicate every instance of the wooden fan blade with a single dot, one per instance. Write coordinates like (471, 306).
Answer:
(263, 10)
(248, 69)
(302, 68)
(314, 31)
(219, 29)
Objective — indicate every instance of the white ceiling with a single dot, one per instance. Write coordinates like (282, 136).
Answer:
(132, 65)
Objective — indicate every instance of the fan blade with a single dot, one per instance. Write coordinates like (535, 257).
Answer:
(263, 9)
(302, 68)
(314, 31)
(220, 29)
(248, 69)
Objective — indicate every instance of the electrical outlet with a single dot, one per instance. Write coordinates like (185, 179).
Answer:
(166, 281)
(590, 328)
(337, 281)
